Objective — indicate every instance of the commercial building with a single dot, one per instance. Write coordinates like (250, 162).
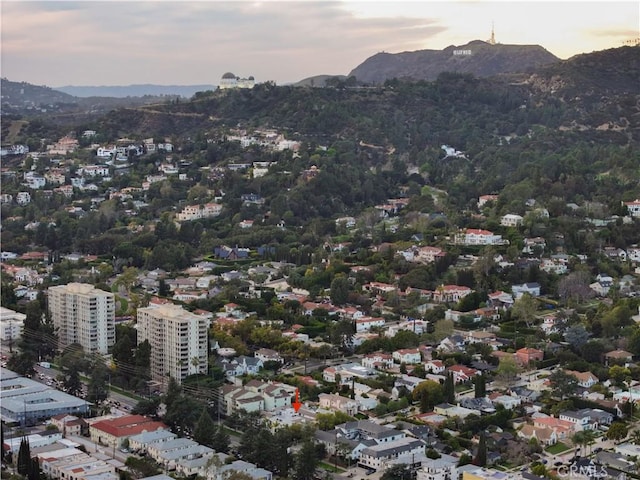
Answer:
(178, 340)
(83, 314)
(26, 402)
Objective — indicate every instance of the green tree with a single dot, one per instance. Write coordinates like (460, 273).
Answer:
(24, 457)
(524, 309)
(401, 471)
(480, 386)
(142, 467)
(481, 455)
(220, 440)
(562, 384)
(449, 389)
(429, 393)
(306, 461)
(34, 472)
(71, 381)
(339, 292)
(507, 370)
(617, 431)
(204, 430)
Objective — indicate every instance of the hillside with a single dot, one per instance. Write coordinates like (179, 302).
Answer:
(23, 93)
(478, 58)
(25, 99)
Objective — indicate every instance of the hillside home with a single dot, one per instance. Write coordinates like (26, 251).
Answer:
(474, 236)
(511, 220)
(484, 199)
(450, 293)
(618, 357)
(633, 207)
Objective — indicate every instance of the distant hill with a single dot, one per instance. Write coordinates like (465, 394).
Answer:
(22, 98)
(123, 91)
(318, 80)
(17, 93)
(477, 57)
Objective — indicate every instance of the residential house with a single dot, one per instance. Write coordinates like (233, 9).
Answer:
(474, 236)
(448, 410)
(507, 401)
(365, 324)
(407, 355)
(241, 365)
(618, 357)
(450, 293)
(633, 207)
(511, 220)
(337, 402)
(462, 373)
(585, 379)
(378, 361)
(141, 442)
(69, 424)
(525, 356)
(268, 355)
(532, 289)
(563, 428)
(500, 300)
(545, 435)
(484, 199)
(434, 366)
(535, 245)
(376, 456)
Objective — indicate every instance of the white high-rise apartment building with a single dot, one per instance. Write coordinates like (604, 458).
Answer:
(178, 341)
(83, 314)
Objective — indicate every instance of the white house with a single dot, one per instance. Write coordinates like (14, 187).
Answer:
(364, 324)
(409, 356)
(532, 289)
(511, 220)
(474, 236)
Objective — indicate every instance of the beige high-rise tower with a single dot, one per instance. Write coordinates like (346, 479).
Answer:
(178, 341)
(83, 314)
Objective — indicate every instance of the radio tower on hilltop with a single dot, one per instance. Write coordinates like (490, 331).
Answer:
(492, 40)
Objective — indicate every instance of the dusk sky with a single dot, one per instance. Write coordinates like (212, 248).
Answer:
(57, 43)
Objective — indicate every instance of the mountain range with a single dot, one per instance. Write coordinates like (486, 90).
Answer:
(479, 58)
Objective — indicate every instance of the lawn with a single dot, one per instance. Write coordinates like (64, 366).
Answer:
(331, 468)
(558, 448)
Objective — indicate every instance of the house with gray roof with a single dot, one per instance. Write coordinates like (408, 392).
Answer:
(376, 456)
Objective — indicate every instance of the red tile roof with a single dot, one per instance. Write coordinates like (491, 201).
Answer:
(128, 425)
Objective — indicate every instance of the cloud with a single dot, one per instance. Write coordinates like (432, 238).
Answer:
(121, 42)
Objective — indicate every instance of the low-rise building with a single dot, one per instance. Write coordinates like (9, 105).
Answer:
(115, 431)
(375, 456)
(11, 324)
